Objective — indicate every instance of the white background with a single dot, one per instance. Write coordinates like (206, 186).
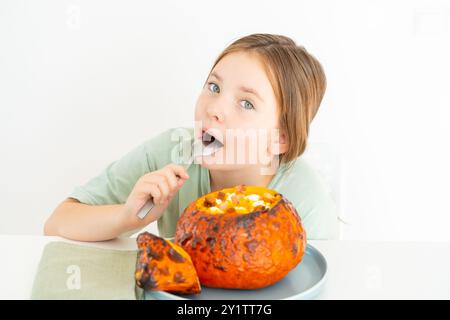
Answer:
(83, 82)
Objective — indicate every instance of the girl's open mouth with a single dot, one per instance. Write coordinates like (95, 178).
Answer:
(208, 137)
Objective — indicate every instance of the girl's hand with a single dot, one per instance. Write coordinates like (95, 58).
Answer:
(161, 186)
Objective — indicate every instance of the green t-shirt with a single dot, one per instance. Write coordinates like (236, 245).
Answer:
(301, 185)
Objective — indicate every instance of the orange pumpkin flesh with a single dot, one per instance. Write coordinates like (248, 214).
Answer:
(162, 265)
(251, 238)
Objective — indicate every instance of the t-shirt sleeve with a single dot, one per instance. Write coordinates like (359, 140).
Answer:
(314, 204)
(116, 181)
(321, 220)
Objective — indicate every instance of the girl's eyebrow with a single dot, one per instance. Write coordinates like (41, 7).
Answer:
(213, 74)
(242, 88)
(252, 91)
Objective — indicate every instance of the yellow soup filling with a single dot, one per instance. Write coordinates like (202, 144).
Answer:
(237, 201)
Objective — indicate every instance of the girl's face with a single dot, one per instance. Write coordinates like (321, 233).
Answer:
(237, 105)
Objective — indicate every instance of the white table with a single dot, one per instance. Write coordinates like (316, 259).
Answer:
(357, 270)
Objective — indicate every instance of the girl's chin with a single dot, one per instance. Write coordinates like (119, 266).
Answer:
(217, 164)
(211, 162)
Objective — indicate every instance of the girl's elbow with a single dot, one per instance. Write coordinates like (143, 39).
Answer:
(51, 224)
(50, 228)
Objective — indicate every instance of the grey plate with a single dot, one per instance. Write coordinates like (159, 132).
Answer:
(303, 282)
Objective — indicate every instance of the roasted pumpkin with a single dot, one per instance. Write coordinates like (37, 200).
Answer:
(162, 265)
(245, 237)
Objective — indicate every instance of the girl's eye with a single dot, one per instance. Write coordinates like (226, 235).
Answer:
(213, 87)
(247, 105)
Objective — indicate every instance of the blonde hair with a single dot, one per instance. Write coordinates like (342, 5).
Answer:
(297, 79)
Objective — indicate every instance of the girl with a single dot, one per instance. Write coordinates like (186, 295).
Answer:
(262, 83)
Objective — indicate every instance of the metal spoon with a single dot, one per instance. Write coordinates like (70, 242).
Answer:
(197, 150)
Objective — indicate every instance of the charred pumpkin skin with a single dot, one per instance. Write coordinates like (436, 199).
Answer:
(242, 251)
(162, 265)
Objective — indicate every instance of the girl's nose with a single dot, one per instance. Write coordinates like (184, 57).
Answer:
(215, 111)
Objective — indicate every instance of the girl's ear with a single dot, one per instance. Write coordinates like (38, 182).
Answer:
(280, 144)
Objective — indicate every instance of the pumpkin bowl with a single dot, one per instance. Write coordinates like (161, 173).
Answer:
(245, 237)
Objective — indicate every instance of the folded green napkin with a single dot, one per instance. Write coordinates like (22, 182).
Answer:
(71, 271)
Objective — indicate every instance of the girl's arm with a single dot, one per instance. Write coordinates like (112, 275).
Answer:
(83, 222)
(78, 221)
